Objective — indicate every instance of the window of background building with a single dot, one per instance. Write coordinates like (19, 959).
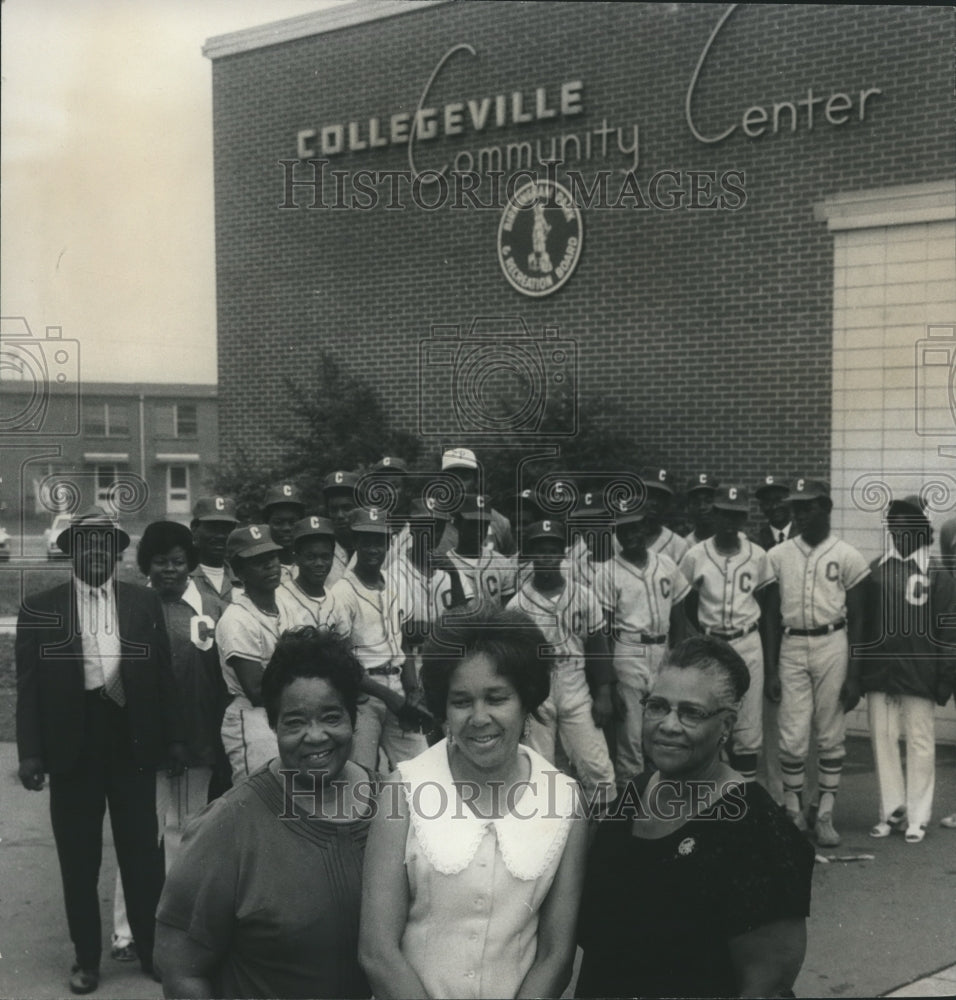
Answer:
(106, 420)
(177, 489)
(106, 476)
(186, 421)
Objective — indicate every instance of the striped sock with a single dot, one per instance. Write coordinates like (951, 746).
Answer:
(794, 776)
(828, 776)
(745, 764)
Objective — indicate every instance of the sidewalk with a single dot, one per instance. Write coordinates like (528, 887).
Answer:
(885, 927)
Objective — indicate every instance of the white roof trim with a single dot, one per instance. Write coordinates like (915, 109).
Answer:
(895, 206)
(182, 459)
(317, 22)
(105, 456)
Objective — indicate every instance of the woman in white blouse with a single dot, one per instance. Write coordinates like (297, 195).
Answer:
(475, 860)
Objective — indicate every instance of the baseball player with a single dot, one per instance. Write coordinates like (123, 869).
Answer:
(313, 546)
(571, 619)
(213, 518)
(772, 496)
(282, 507)
(907, 666)
(658, 498)
(392, 472)
(730, 575)
(486, 574)
(699, 504)
(389, 717)
(338, 490)
(821, 609)
(463, 463)
(590, 558)
(246, 636)
(648, 592)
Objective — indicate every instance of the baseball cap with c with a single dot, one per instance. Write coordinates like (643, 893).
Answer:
(370, 519)
(252, 540)
(732, 498)
(809, 489)
(459, 458)
(216, 508)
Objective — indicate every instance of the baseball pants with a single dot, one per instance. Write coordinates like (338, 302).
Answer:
(917, 716)
(748, 729)
(637, 667)
(378, 727)
(247, 739)
(567, 713)
(812, 672)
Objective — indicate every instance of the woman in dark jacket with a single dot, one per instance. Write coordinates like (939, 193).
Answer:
(906, 667)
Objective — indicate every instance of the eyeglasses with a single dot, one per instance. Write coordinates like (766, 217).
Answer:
(690, 716)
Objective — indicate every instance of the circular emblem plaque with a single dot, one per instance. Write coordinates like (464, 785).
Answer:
(539, 238)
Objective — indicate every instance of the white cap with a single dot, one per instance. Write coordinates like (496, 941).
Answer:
(459, 458)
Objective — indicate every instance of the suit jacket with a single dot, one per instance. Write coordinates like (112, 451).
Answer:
(206, 588)
(50, 677)
(767, 537)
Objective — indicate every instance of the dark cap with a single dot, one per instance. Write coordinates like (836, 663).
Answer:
(544, 529)
(630, 511)
(702, 481)
(283, 494)
(474, 506)
(769, 483)
(590, 505)
(215, 508)
(809, 489)
(911, 504)
(340, 480)
(252, 540)
(91, 519)
(427, 509)
(372, 520)
(313, 526)
(656, 479)
(391, 463)
(732, 498)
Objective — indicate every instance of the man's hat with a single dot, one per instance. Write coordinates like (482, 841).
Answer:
(91, 519)
(630, 511)
(215, 508)
(656, 479)
(390, 463)
(911, 504)
(732, 498)
(590, 505)
(809, 489)
(459, 458)
(474, 506)
(340, 480)
(544, 529)
(769, 483)
(252, 540)
(702, 481)
(312, 527)
(284, 493)
(373, 520)
(427, 509)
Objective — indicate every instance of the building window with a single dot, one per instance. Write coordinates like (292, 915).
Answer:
(106, 476)
(186, 421)
(106, 420)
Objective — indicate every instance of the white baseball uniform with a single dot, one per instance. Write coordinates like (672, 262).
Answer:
(340, 563)
(643, 599)
(322, 612)
(490, 576)
(246, 631)
(727, 588)
(669, 544)
(813, 584)
(567, 619)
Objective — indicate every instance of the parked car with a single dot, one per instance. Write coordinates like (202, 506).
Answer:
(60, 523)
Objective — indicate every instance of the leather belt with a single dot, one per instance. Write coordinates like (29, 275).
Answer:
(653, 640)
(729, 636)
(822, 630)
(382, 671)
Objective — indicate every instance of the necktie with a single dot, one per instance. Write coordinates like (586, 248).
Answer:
(112, 681)
(782, 537)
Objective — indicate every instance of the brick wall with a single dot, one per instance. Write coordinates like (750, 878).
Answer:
(713, 329)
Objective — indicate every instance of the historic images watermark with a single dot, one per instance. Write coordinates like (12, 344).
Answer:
(309, 185)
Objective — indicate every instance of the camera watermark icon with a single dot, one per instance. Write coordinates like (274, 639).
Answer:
(497, 380)
(32, 370)
(935, 370)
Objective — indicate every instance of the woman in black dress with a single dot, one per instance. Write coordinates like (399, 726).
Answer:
(697, 884)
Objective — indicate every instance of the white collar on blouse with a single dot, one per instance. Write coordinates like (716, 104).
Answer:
(451, 840)
(920, 556)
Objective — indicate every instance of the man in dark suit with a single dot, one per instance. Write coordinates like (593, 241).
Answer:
(772, 496)
(98, 710)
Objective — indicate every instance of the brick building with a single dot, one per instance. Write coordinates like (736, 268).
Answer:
(140, 449)
(772, 246)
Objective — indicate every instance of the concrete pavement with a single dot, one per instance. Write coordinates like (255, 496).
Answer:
(880, 927)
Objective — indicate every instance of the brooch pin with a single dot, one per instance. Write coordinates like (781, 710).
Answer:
(686, 846)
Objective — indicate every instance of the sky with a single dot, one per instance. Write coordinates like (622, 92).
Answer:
(107, 190)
